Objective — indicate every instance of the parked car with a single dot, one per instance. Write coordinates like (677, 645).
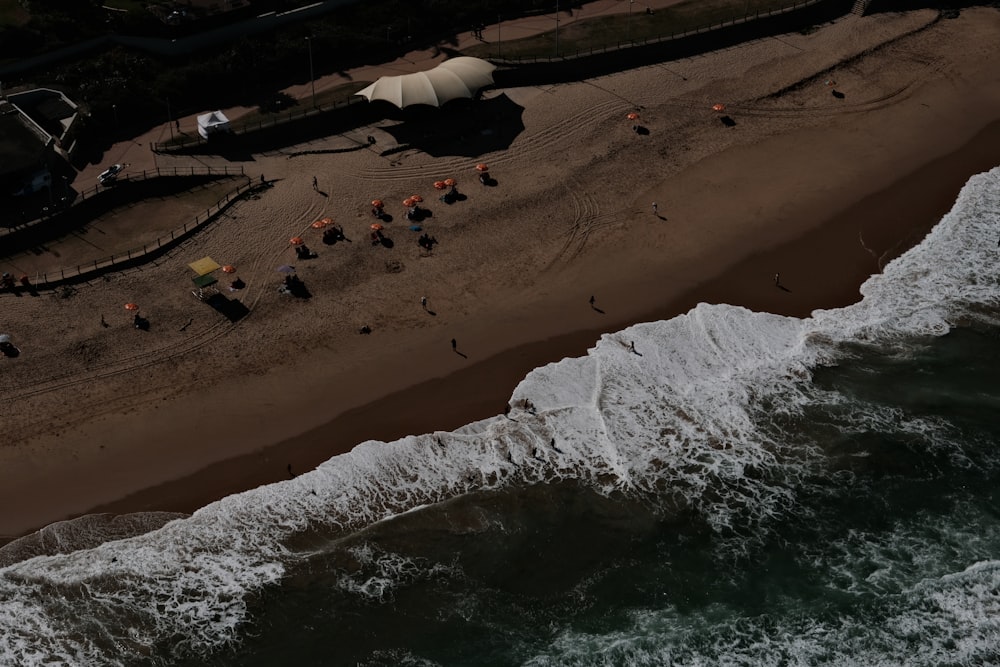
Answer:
(110, 174)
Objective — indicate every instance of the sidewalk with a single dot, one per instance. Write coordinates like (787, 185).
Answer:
(420, 60)
(137, 154)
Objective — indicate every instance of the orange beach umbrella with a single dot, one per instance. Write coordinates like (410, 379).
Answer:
(718, 107)
(450, 182)
(482, 167)
(131, 306)
(408, 202)
(376, 227)
(439, 185)
(377, 203)
(229, 268)
(633, 116)
(296, 240)
(416, 198)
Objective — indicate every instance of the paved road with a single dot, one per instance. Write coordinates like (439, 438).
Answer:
(136, 151)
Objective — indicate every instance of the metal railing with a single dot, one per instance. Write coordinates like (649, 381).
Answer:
(59, 205)
(137, 255)
(657, 39)
(158, 172)
(258, 123)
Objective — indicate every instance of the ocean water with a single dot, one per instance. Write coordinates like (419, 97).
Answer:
(743, 489)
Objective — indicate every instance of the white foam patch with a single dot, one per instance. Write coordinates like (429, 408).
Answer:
(378, 573)
(674, 422)
(949, 276)
(951, 620)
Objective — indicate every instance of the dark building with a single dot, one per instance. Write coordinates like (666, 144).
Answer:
(33, 127)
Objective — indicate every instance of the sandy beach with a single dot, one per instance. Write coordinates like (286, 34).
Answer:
(822, 190)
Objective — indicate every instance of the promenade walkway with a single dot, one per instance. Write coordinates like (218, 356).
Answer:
(137, 154)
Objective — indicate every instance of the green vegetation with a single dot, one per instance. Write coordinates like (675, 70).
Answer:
(607, 32)
(126, 91)
(42, 25)
(12, 14)
(126, 5)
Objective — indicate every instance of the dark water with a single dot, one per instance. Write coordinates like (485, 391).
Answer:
(897, 499)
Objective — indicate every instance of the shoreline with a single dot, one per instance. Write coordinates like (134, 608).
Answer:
(481, 390)
(200, 421)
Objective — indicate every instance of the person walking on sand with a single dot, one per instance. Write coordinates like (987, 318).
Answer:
(591, 301)
(777, 280)
(315, 184)
(655, 209)
(423, 302)
(454, 345)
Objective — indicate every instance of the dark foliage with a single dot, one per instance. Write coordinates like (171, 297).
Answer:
(127, 90)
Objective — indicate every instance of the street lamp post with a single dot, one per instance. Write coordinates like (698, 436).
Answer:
(312, 79)
(498, 35)
(170, 120)
(628, 23)
(557, 28)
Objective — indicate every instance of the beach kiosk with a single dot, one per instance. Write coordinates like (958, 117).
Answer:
(212, 123)
(204, 280)
(206, 292)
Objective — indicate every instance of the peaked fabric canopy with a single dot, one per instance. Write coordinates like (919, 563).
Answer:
(452, 79)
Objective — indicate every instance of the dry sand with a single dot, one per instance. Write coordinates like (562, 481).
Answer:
(820, 189)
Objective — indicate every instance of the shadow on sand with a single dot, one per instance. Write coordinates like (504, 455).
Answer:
(465, 128)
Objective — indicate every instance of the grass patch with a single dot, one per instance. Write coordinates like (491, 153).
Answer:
(606, 32)
(12, 13)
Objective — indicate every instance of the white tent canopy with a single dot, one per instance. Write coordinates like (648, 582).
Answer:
(212, 123)
(452, 79)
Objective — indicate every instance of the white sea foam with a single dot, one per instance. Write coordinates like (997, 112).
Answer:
(948, 277)
(377, 573)
(676, 422)
(924, 597)
(953, 619)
